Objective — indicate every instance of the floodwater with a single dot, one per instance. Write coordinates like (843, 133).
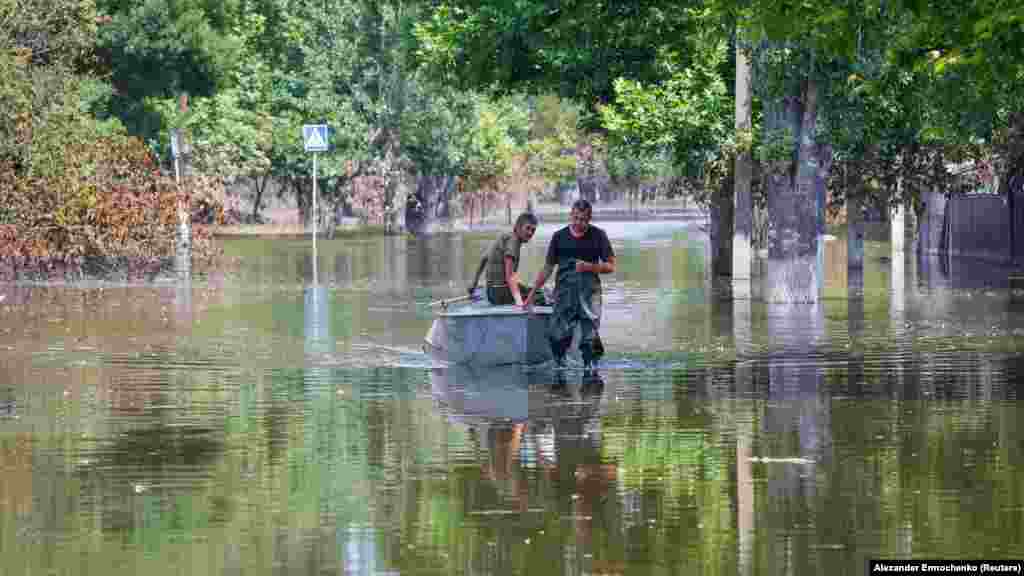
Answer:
(250, 423)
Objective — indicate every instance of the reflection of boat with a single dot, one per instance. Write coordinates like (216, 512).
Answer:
(480, 334)
(495, 393)
(472, 394)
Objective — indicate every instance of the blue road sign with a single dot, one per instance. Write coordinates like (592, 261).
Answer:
(314, 137)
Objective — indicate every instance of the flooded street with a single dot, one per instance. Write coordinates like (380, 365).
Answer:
(250, 423)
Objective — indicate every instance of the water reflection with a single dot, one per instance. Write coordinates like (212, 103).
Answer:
(541, 482)
(252, 422)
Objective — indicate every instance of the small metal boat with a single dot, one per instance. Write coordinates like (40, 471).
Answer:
(480, 334)
(474, 332)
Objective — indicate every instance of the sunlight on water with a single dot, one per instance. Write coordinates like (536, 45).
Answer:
(249, 423)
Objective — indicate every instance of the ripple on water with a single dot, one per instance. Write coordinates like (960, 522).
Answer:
(232, 430)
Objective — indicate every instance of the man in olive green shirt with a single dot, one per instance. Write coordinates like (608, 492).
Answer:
(502, 264)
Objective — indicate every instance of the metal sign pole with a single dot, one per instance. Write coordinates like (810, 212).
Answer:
(315, 138)
(314, 218)
(175, 146)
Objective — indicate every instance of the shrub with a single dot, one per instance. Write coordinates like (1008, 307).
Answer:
(106, 210)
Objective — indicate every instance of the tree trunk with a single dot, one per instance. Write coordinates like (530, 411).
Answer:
(433, 194)
(183, 244)
(898, 224)
(303, 200)
(721, 229)
(743, 171)
(794, 246)
(261, 186)
(587, 188)
(854, 229)
(591, 174)
(1014, 187)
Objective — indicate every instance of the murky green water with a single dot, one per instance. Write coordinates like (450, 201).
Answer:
(250, 424)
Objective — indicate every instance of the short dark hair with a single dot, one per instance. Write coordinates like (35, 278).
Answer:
(583, 206)
(526, 218)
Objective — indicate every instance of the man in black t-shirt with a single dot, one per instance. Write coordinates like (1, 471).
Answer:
(581, 252)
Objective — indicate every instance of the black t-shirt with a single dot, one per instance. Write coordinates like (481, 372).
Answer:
(565, 248)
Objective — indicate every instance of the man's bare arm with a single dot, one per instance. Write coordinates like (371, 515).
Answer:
(542, 277)
(598, 268)
(512, 280)
(476, 277)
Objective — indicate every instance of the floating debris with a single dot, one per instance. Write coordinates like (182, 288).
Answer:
(769, 460)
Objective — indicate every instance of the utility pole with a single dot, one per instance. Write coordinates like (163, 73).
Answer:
(743, 206)
(180, 148)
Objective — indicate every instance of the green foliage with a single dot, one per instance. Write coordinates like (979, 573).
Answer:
(553, 134)
(908, 87)
(575, 49)
(437, 129)
(640, 90)
(230, 132)
(499, 136)
(161, 48)
(48, 31)
(687, 115)
(40, 43)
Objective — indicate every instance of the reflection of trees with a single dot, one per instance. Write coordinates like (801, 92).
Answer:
(188, 478)
(17, 492)
(151, 449)
(438, 259)
(676, 478)
(921, 478)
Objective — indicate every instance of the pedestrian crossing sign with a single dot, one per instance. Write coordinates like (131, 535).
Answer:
(314, 136)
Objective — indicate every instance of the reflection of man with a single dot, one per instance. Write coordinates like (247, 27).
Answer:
(581, 252)
(502, 264)
(585, 477)
(502, 466)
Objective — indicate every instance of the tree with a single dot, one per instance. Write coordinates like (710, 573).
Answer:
(972, 52)
(688, 113)
(575, 49)
(550, 155)
(160, 49)
(497, 140)
(230, 131)
(42, 44)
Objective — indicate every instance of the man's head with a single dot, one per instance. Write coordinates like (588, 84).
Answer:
(526, 226)
(579, 216)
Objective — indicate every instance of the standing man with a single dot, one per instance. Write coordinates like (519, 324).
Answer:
(502, 264)
(581, 252)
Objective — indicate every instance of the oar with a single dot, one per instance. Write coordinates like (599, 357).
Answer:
(445, 302)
